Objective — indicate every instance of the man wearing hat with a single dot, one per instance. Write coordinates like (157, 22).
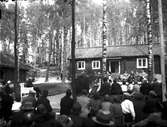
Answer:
(66, 103)
(104, 117)
(44, 100)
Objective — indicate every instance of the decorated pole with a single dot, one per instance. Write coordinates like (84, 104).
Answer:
(150, 43)
(104, 39)
(161, 31)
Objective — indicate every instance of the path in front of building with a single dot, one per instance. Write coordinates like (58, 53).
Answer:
(54, 101)
(59, 92)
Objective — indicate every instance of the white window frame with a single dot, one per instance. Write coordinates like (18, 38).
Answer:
(142, 66)
(96, 61)
(82, 65)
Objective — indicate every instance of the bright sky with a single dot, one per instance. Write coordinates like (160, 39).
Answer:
(25, 3)
(100, 2)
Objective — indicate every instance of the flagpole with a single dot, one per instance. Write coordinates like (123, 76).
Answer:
(104, 39)
(150, 43)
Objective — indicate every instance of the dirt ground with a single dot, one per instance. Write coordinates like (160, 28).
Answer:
(55, 101)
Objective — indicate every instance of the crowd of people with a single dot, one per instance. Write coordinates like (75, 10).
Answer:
(126, 102)
(118, 102)
(35, 108)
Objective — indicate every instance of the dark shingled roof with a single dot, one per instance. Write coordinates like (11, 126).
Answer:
(7, 60)
(116, 51)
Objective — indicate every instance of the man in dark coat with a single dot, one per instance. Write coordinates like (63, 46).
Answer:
(157, 87)
(105, 87)
(116, 88)
(79, 121)
(43, 100)
(66, 103)
(44, 119)
(139, 103)
(7, 102)
(151, 102)
(145, 87)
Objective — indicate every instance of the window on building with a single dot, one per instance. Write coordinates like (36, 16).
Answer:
(96, 64)
(80, 65)
(142, 63)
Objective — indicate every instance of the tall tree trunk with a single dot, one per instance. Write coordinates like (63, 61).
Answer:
(43, 52)
(10, 40)
(58, 34)
(54, 50)
(50, 53)
(25, 48)
(84, 33)
(61, 52)
(35, 50)
(64, 54)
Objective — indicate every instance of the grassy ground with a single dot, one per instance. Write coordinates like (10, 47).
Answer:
(53, 88)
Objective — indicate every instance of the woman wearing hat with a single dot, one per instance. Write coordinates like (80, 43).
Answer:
(104, 117)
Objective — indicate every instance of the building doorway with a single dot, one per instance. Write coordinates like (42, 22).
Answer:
(114, 66)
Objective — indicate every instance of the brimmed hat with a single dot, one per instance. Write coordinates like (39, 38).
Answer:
(107, 98)
(103, 119)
